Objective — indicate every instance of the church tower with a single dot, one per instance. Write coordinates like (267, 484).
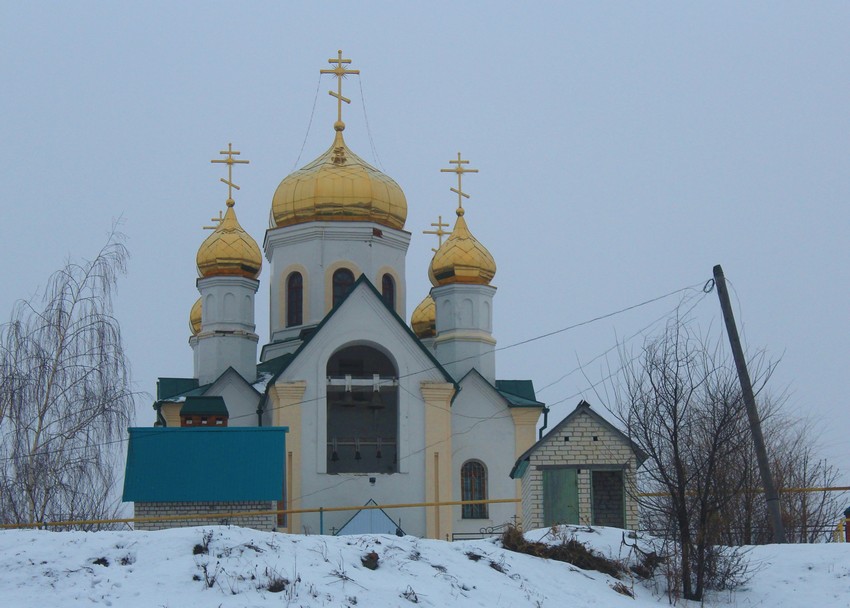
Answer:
(222, 320)
(332, 221)
(461, 271)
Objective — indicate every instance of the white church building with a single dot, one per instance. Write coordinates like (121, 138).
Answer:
(378, 411)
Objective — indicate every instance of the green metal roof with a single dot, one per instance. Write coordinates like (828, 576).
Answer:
(205, 464)
(170, 387)
(518, 392)
(204, 405)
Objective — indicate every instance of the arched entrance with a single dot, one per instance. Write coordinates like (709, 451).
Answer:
(362, 408)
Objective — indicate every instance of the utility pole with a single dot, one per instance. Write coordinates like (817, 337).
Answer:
(770, 492)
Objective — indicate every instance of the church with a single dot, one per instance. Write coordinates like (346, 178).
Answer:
(375, 410)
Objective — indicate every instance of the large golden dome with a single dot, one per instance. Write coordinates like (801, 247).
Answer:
(462, 259)
(424, 318)
(229, 250)
(338, 186)
(195, 318)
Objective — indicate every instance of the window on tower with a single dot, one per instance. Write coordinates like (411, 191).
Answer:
(294, 299)
(362, 412)
(343, 279)
(473, 486)
(388, 290)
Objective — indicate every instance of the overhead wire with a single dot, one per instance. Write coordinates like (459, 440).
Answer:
(309, 123)
(414, 373)
(368, 128)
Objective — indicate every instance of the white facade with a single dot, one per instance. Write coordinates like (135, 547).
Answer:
(227, 337)
(465, 329)
(316, 250)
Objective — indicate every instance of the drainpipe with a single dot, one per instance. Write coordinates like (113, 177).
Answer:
(545, 423)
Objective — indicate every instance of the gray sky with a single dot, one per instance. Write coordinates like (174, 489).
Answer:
(623, 149)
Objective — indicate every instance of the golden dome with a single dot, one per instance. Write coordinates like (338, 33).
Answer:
(195, 318)
(229, 250)
(424, 318)
(462, 259)
(338, 186)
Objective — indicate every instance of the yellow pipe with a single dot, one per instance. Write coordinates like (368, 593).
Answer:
(759, 490)
(126, 520)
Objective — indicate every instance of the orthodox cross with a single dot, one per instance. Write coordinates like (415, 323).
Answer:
(439, 225)
(230, 161)
(340, 72)
(459, 169)
(217, 221)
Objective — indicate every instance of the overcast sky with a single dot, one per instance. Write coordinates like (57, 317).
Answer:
(623, 150)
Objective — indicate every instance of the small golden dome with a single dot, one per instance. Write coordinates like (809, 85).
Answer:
(424, 318)
(338, 186)
(195, 318)
(229, 250)
(462, 259)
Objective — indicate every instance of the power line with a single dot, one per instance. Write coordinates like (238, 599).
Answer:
(424, 370)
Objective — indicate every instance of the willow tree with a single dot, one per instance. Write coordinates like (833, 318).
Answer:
(65, 395)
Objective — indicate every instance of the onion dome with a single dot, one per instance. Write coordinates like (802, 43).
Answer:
(338, 186)
(462, 259)
(424, 318)
(195, 318)
(229, 250)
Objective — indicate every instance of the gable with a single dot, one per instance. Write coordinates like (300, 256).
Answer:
(558, 431)
(364, 318)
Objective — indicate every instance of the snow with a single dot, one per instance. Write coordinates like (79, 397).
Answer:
(134, 569)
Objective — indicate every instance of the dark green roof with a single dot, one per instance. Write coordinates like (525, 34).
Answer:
(274, 366)
(204, 405)
(519, 393)
(171, 387)
(205, 464)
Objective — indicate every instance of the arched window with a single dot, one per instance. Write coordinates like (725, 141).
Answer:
(388, 290)
(294, 299)
(342, 281)
(362, 412)
(473, 486)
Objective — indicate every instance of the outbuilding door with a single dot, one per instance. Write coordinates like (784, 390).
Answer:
(560, 496)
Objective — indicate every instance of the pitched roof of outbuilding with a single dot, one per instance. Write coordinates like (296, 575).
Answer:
(582, 408)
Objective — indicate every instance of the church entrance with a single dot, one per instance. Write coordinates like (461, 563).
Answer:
(362, 402)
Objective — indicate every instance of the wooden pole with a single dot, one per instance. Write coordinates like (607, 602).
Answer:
(750, 401)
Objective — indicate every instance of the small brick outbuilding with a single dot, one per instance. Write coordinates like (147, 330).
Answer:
(581, 472)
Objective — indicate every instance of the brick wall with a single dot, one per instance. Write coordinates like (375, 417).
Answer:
(155, 509)
(574, 444)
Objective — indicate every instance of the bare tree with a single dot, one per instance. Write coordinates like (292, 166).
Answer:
(808, 515)
(680, 402)
(65, 396)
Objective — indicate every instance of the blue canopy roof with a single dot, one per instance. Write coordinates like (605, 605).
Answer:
(205, 464)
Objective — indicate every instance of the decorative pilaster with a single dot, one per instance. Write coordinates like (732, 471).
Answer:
(286, 401)
(438, 457)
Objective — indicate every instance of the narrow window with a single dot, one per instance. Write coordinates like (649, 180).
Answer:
(343, 279)
(388, 290)
(473, 486)
(294, 299)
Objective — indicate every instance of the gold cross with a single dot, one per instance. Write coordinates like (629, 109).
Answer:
(460, 170)
(230, 161)
(340, 72)
(439, 225)
(217, 221)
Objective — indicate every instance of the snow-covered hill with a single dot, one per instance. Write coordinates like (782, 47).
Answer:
(248, 568)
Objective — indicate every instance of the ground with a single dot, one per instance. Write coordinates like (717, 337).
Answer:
(229, 566)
